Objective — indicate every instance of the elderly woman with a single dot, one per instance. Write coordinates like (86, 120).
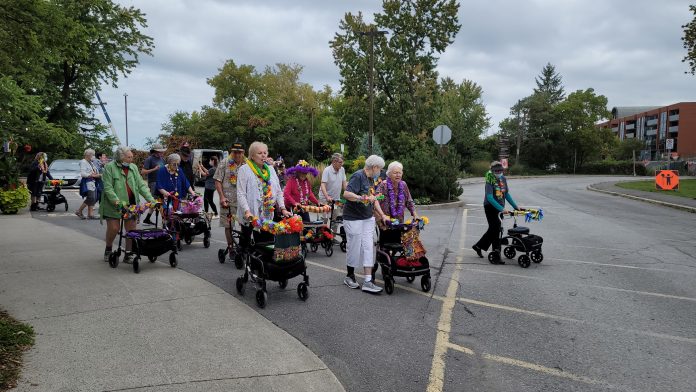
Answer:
(397, 198)
(359, 222)
(493, 204)
(38, 174)
(258, 189)
(171, 180)
(298, 190)
(123, 186)
(89, 172)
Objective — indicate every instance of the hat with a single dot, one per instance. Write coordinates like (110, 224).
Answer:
(185, 149)
(157, 147)
(496, 165)
(237, 146)
(302, 167)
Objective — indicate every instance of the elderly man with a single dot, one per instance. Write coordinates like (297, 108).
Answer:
(226, 186)
(333, 183)
(123, 186)
(150, 167)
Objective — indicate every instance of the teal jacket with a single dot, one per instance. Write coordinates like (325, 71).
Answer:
(114, 196)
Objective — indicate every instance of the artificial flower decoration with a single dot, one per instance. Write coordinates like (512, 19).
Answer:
(286, 226)
(534, 215)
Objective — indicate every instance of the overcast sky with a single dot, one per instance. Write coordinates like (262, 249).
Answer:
(628, 50)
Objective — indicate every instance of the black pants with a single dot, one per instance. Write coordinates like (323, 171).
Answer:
(492, 235)
(208, 200)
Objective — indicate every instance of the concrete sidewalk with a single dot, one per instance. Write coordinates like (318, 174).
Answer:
(660, 198)
(104, 329)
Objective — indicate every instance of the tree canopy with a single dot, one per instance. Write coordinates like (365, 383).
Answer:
(689, 41)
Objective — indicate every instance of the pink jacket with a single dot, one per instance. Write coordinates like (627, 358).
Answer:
(292, 192)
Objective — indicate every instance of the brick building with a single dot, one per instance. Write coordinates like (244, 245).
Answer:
(654, 125)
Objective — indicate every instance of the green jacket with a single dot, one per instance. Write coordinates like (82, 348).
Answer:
(115, 195)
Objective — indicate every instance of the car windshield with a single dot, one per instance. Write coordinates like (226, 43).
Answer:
(65, 165)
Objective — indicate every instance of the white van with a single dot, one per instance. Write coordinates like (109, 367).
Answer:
(202, 156)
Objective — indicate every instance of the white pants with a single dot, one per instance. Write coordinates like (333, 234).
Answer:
(360, 246)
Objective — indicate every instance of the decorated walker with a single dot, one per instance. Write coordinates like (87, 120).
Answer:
(317, 233)
(187, 219)
(150, 243)
(51, 196)
(275, 254)
(519, 240)
(401, 253)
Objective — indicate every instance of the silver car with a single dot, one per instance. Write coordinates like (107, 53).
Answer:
(67, 170)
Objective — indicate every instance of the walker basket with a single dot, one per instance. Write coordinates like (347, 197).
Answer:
(151, 242)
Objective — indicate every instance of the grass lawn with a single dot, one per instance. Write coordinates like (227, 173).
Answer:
(687, 188)
(15, 338)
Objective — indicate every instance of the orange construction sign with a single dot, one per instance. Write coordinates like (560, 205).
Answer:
(667, 180)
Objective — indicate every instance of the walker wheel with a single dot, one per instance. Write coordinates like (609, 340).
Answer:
(206, 241)
(302, 291)
(136, 264)
(172, 260)
(329, 250)
(178, 245)
(524, 261)
(261, 297)
(537, 256)
(388, 284)
(425, 283)
(50, 207)
(188, 239)
(152, 258)
(113, 259)
(66, 206)
(238, 260)
(304, 251)
(240, 285)
(221, 256)
(343, 247)
(245, 277)
(509, 252)
(314, 246)
(283, 283)
(410, 279)
(494, 257)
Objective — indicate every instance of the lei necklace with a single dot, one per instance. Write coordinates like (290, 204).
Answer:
(232, 167)
(396, 208)
(266, 191)
(304, 193)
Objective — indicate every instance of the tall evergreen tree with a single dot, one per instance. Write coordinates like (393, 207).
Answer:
(551, 84)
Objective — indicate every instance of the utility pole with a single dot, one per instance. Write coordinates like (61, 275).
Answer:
(125, 99)
(372, 33)
(312, 128)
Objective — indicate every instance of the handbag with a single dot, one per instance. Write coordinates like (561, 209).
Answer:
(83, 188)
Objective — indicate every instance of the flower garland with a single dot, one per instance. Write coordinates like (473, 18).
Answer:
(286, 226)
(304, 193)
(534, 215)
(266, 190)
(396, 207)
(129, 211)
(232, 168)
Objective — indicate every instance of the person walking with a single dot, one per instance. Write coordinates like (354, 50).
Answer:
(497, 192)
(88, 186)
(298, 190)
(225, 177)
(333, 183)
(186, 164)
(359, 223)
(209, 192)
(151, 166)
(123, 186)
(38, 174)
(171, 181)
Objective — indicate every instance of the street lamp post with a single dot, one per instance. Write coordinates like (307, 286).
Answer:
(372, 33)
(125, 99)
(312, 130)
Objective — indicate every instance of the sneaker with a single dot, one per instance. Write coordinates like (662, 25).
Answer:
(128, 258)
(350, 282)
(370, 287)
(477, 250)
(107, 254)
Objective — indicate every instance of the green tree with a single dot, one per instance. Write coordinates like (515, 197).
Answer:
(550, 84)
(583, 140)
(689, 42)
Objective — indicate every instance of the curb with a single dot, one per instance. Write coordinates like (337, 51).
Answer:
(441, 206)
(643, 199)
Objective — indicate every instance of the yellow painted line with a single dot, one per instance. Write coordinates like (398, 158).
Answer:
(436, 378)
(527, 365)
(646, 293)
(578, 321)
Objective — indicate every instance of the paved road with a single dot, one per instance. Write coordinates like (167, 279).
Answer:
(612, 306)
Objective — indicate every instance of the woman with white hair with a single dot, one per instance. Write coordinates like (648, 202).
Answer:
(172, 182)
(123, 186)
(397, 198)
(359, 222)
(88, 186)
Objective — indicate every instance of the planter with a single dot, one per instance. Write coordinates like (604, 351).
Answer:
(13, 200)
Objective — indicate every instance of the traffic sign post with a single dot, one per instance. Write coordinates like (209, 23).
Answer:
(442, 134)
(667, 180)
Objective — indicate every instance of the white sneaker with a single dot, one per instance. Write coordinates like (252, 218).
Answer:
(370, 287)
(350, 282)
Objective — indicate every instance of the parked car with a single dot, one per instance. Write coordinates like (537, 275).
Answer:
(67, 170)
(202, 156)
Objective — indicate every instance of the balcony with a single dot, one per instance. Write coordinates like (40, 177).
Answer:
(615, 129)
(630, 126)
(674, 117)
(674, 129)
(629, 135)
(650, 132)
(651, 122)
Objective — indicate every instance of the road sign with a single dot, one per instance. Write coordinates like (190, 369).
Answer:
(667, 180)
(504, 162)
(669, 144)
(442, 134)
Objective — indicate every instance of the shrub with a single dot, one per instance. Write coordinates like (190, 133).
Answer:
(422, 201)
(430, 175)
(479, 168)
(611, 167)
